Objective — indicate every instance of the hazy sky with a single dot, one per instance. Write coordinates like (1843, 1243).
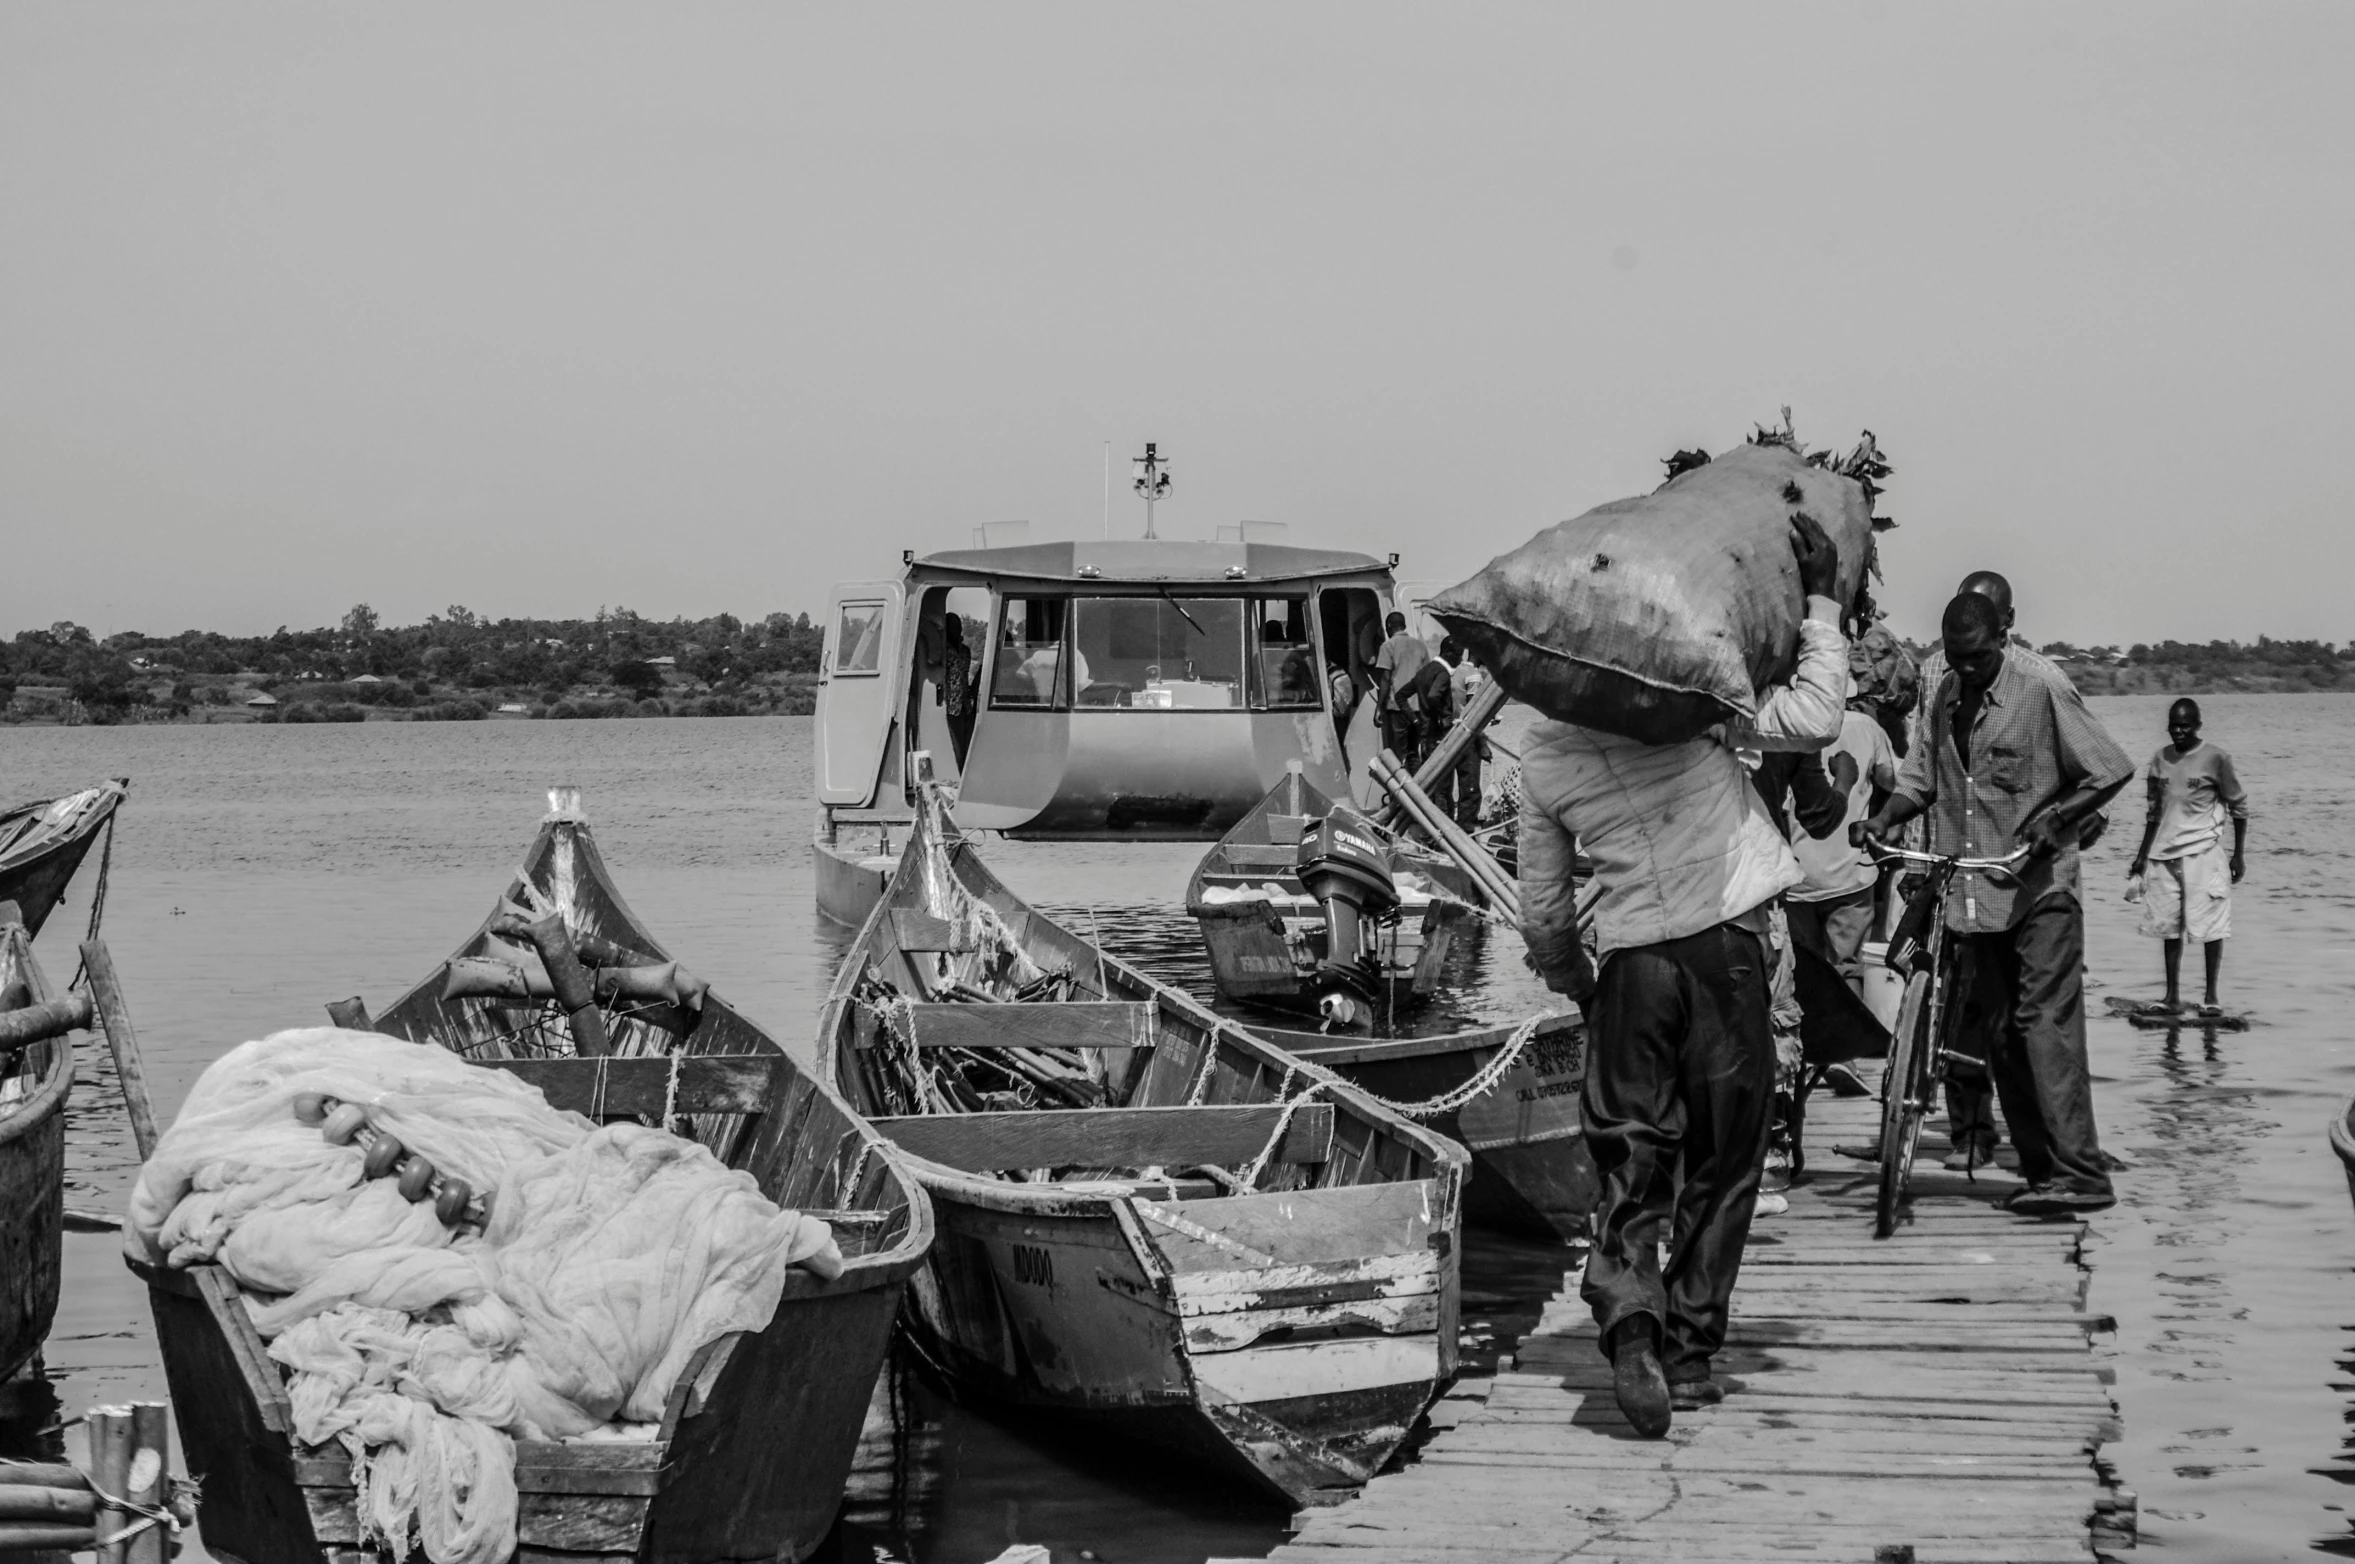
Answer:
(693, 308)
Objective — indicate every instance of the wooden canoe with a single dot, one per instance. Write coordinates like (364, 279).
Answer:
(1153, 1221)
(1531, 1174)
(42, 843)
(35, 1081)
(756, 1443)
(1265, 935)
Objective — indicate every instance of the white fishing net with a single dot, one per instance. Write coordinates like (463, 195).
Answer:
(611, 1255)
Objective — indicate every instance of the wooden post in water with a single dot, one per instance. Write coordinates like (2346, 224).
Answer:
(151, 1442)
(115, 1018)
(110, 1474)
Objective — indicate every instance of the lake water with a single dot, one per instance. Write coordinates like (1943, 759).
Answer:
(263, 871)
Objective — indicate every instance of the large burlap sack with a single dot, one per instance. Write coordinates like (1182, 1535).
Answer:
(1657, 618)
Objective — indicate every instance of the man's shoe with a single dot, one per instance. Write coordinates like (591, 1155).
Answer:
(1640, 1384)
(1969, 1158)
(1690, 1395)
(2058, 1199)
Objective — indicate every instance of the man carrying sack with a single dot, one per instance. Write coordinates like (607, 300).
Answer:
(1681, 1062)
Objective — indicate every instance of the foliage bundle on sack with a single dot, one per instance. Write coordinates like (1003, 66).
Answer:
(1658, 617)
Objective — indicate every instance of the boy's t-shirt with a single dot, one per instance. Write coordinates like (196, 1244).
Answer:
(2200, 790)
(1834, 868)
(1402, 657)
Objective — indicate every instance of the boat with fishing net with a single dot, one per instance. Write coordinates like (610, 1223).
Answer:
(36, 1078)
(566, 989)
(1150, 1220)
(43, 842)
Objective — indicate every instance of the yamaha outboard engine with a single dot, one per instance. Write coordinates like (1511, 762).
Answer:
(1345, 864)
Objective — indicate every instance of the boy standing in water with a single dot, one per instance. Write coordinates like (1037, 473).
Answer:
(2192, 788)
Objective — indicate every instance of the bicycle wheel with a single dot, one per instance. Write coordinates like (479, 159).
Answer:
(1905, 1094)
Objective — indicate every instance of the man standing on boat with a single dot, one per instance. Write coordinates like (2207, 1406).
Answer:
(2186, 879)
(1401, 658)
(1681, 1064)
(1458, 792)
(2013, 759)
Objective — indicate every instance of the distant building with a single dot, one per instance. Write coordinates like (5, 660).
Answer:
(367, 678)
(263, 701)
(662, 662)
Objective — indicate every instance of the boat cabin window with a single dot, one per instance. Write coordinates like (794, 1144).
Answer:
(858, 639)
(1160, 653)
(1029, 670)
(1283, 656)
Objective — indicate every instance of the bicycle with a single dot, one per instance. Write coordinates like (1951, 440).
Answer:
(1918, 1049)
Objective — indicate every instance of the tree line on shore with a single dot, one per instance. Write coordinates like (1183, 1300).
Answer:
(456, 665)
(459, 665)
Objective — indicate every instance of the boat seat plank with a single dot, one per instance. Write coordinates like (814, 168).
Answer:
(1256, 855)
(1112, 1137)
(1080, 1024)
(609, 1088)
(1286, 830)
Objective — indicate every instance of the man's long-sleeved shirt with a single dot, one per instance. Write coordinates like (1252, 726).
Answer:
(1677, 835)
(2034, 743)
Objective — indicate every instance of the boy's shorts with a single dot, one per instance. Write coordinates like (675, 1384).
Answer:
(2189, 898)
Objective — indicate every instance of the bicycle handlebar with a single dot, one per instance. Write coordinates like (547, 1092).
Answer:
(1882, 851)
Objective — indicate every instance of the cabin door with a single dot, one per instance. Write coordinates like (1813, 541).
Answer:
(859, 685)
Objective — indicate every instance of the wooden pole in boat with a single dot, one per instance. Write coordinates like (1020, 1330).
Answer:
(1450, 749)
(1502, 893)
(151, 1442)
(114, 1018)
(36, 1023)
(571, 984)
(110, 1471)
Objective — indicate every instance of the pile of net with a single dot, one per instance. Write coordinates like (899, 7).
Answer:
(1659, 617)
(609, 1256)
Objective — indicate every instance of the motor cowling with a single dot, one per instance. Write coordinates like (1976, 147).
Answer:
(1344, 863)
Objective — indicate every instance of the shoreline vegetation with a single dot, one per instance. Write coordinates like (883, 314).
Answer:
(455, 667)
(460, 667)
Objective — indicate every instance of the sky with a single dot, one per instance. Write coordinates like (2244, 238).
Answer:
(690, 308)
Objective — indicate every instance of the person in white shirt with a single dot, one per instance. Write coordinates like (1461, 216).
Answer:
(1831, 910)
(1681, 1064)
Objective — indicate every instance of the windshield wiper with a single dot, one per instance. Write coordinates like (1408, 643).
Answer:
(1182, 614)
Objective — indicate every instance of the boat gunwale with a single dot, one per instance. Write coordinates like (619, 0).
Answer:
(48, 1098)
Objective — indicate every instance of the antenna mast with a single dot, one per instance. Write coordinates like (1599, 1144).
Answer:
(1152, 480)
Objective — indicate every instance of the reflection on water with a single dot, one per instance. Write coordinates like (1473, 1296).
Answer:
(261, 872)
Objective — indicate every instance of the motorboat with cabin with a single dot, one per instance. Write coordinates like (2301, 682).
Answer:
(1087, 690)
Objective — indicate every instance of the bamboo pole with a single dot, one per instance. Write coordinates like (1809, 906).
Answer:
(53, 1506)
(1476, 716)
(115, 1017)
(110, 1472)
(151, 1444)
(45, 1537)
(42, 1474)
(1485, 871)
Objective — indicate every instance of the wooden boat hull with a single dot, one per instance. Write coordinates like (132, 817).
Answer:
(1531, 1173)
(1265, 952)
(32, 1173)
(1288, 1331)
(755, 1447)
(1074, 1306)
(35, 877)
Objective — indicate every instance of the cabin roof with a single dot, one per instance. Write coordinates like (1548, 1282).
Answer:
(1139, 559)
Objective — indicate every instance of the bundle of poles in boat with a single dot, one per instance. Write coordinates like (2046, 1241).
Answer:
(125, 1508)
(580, 973)
(1415, 806)
(915, 1079)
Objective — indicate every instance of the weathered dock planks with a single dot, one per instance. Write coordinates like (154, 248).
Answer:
(1933, 1398)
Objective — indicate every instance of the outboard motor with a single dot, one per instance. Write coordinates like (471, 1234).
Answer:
(1345, 865)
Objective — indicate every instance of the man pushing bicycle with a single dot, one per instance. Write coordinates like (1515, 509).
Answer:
(2012, 760)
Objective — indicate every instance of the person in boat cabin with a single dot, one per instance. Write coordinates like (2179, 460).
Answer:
(956, 686)
(2185, 877)
(2013, 759)
(1402, 657)
(1458, 792)
(1681, 1065)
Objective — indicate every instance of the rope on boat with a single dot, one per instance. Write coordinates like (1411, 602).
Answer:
(97, 899)
(1477, 1084)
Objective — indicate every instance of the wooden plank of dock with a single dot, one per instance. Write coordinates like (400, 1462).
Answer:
(1931, 1398)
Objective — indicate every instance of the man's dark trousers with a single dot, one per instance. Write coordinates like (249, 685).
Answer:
(1680, 1079)
(2029, 981)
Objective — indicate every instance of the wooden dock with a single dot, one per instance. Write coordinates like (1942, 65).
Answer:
(1932, 1398)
